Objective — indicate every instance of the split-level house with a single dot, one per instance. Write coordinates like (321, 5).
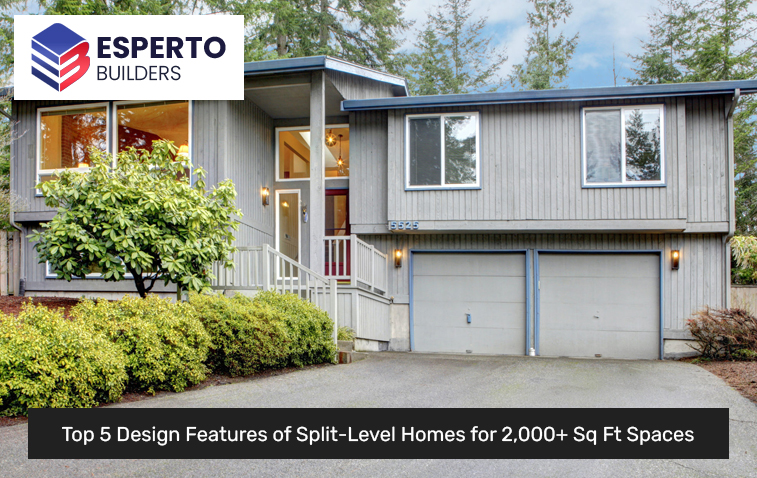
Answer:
(574, 222)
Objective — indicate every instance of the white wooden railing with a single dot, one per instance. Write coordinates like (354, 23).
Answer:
(265, 268)
(349, 258)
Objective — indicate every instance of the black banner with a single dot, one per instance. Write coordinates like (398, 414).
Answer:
(378, 433)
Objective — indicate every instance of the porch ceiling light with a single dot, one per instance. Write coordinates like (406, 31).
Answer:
(675, 257)
(330, 138)
(265, 194)
(398, 258)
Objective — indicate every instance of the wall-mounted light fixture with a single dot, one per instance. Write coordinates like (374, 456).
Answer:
(265, 195)
(398, 258)
(675, 257)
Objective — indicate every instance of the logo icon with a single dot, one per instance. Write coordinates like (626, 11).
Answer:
(60, 56)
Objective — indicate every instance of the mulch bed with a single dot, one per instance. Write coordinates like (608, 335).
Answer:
(11, 305)
(741, 376)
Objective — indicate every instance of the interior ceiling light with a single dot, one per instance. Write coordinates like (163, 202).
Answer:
(330, 138)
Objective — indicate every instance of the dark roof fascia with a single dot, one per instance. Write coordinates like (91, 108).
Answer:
(312, 63)
(541, 96)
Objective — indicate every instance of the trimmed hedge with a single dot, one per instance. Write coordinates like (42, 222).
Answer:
(165, 344)
(246, 338)
(309, 328)
(48, 361)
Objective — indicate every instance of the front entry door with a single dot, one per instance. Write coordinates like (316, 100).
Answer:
(337, 253)
(288, 223)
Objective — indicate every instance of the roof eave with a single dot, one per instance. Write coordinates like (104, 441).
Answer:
(542, 96)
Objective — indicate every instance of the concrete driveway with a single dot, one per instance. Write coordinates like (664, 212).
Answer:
(415, 380)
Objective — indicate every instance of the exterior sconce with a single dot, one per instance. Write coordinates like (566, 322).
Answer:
(265, 194)
(398, 258)
(675, 257)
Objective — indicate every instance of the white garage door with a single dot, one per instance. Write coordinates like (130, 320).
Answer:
(600, 304)
(490, 287)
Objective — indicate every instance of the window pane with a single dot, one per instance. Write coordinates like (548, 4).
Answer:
(425, 152)
(460, 149)
(66, 137)
(603, 154)
(337, 157)
(643, 145)
(141, 124)
(294, 154)
(336, 215)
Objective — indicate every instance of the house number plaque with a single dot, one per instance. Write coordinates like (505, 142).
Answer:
(404, 225)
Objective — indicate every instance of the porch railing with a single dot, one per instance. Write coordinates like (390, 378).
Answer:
(265, 268)
(349, 258)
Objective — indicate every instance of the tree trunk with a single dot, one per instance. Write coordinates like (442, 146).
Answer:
(323, 39)
(139, 281)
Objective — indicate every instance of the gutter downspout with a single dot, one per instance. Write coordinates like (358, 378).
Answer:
(731, 194)
(18, 289)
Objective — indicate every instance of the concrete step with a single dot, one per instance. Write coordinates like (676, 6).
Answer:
(350, 357)
(346, 345)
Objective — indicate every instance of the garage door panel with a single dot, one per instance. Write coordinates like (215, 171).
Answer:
(469, 264)
(609, 344)
(604, 304)
(479, 340)
(482, 314)
(600, 265)
(489, 286)
(470, 289)
(612, 291)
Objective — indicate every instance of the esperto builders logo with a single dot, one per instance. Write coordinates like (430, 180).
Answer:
(59, 51)
(129, 57)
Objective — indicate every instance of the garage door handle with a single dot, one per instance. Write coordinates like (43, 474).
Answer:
(468, 318)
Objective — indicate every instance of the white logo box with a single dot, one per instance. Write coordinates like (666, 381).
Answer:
(129, 57)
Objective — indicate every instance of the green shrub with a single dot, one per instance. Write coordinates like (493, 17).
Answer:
(48, 361)
(165, 343)
(309, 328)
(345, 333)
(247, 337)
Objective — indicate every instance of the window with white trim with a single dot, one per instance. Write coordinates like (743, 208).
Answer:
(66, 135)
(624, 146)
(442, 151)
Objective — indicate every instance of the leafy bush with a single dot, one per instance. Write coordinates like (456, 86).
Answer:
(165, 344)
(724, 333)
(744, 259)
(345, 333)
(310, 329)
(247, 337)
(48, 361)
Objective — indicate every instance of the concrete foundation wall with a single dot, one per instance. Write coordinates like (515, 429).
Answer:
(399, 318)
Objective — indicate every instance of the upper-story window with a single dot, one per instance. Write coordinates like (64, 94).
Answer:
(624, 146)
(442, 151)
(293, 152)
(66, 135)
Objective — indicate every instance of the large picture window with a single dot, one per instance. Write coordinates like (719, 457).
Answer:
(442, 151)
(139, 124)
(293, 153)
(66, 135)
(624, 146)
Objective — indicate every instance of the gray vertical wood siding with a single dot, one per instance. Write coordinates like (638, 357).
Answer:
(699, 281)
(531, 169)
(367, 172)
(357, 88)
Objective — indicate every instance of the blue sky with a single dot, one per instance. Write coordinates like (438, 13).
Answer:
(600, 24)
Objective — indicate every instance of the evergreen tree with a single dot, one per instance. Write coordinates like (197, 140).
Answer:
(452, 54)
(547, 59)
(362, 31)
(723, 46)
(670, 28)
